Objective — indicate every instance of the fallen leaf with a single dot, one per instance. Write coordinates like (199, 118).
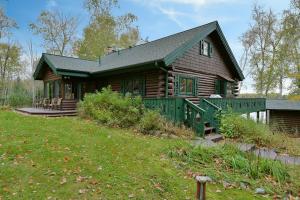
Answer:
(63, 180)
(93, 182)
(66, 159)
(82, 191)
(80, 178)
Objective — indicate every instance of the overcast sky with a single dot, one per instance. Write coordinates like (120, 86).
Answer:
(156, 18)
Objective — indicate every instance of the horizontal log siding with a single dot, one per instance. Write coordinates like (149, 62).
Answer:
(217, 64)
(207, 69)
(153, 82)
(48, 75)
(285, 121)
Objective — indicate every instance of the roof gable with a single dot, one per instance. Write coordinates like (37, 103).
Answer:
(62, 65)
(197, 38)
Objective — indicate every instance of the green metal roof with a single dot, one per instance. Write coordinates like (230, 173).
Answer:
(165, 50)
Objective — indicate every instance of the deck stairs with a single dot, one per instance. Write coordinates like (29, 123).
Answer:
(68, 104)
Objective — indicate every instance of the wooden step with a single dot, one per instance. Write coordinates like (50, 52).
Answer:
(209, 130)
(207, 124)
(214, 137)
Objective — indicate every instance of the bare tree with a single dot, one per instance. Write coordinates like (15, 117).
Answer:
(5, 24)
(263, 41)
(57, 30)
(33, 58)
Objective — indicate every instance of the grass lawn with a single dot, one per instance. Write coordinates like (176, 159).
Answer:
(71, 158)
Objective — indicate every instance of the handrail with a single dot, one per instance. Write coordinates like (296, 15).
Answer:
(213, 105)
(194, 105)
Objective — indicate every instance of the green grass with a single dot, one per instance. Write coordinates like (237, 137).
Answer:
(60, 158)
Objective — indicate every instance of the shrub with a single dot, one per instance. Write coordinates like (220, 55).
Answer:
(111, 108)
(19, 98)
(151, 121)
(233, 126)
(229, 157)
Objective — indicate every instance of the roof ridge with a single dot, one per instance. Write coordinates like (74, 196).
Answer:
(164, 37)
(69, 57)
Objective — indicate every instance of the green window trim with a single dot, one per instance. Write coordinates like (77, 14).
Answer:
(221, 87)
(209, 49)
(186, 85)
(135, 86)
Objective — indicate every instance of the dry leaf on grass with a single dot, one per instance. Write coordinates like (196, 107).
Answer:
(63, 180)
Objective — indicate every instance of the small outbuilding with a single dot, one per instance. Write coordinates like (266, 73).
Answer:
(283, 115)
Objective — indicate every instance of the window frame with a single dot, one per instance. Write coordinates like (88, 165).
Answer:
(209, 48)
(189, 89)
(186, 87)
(132, 82)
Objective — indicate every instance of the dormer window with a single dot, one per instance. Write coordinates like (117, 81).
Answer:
(205, 48)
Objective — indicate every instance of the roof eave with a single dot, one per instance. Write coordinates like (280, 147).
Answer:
(154, 62)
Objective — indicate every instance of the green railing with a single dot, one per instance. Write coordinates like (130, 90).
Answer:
(179, 110)
(239, 105)
(194, 117)
(212, 112)
(171, 108)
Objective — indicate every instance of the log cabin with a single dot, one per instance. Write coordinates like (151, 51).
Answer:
(176, 74)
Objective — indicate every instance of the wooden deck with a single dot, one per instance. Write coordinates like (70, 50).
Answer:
(46, 112)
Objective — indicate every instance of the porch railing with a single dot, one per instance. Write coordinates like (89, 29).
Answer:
(212, 112)
(171, 108)
(194, 117)
(179, 110)
(239, 105)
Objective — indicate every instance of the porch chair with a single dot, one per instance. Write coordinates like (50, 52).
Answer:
(58, 105)
(52, 103)
(45, 103)
(38, 103)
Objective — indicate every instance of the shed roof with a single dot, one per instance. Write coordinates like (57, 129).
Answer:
(282, 105)
(164, 50)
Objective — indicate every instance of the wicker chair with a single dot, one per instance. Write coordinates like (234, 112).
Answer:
(52, 103)
(45, 103)
(58, 104)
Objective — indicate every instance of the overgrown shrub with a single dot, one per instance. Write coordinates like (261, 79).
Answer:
(19, 97)
(234, 125)
(230, 158)
(111, 108)
(151, 121)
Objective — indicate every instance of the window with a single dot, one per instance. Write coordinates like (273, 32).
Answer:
(186, 86)
(134, 86)
(221, 87)
(205, 48)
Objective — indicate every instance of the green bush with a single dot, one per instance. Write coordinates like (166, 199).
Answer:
(151, 121)
(20, 97)
(234, 125)
(112, 109)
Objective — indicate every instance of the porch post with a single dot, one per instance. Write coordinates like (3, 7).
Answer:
(248, 115)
